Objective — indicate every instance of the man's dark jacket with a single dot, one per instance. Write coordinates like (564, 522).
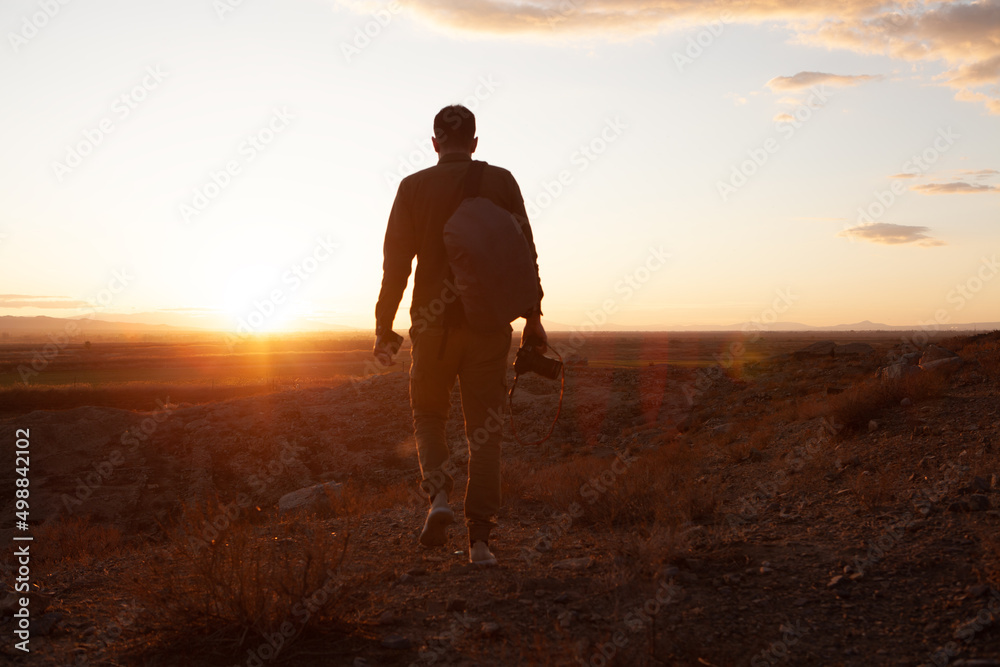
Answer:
(424, 202)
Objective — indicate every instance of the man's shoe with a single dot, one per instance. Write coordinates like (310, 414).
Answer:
(480, 554)
(440, 516)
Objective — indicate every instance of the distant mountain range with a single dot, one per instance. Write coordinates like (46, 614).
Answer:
(150, 323)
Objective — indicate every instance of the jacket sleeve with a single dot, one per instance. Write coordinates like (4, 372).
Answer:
(521, 215)
(398, 251)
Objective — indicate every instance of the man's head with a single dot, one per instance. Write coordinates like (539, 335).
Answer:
(455, 130)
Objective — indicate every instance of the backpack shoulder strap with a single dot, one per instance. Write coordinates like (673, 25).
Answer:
(473, 180)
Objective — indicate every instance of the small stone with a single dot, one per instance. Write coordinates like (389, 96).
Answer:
(980, 484)
(978, 590)
(872, 426)
(456, 605)
(562, 598)
(490, 628)
(436, 607)
(573, 564)
(397, 643)
(978, 502)
(404, 578)
(417, 572)
(360, 662)
(836, 580)
(906, 402)
(801, 602)
(42, 626)
(959, 506)
(386, 618)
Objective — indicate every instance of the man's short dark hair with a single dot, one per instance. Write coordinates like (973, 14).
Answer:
(454, 127)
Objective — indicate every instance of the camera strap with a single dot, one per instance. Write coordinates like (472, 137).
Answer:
(510, 406)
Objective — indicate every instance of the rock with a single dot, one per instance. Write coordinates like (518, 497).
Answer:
(821, 349)
(906, 402)
(404, 578)
(960, 506)
(562, 598)
(42, 626)
(417, 572)
(456, 605)
(897, 371)
(359, 662)
(755, 455)
(386, 618)
(979, 503)
(936, 353)
(573, 564)
(397, 643)
(978, 590)
(489, 628)
(942, 366)
(872, 426)
(316, 497)
(835, 581)
(852, 349)
(436, 607)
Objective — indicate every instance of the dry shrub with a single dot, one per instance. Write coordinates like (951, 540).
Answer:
(861, 403)
(987, 353)
(240, 580)
(75, 539)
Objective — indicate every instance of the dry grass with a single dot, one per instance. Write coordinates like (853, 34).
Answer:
(74, 539)
(239, 584)
(863, 402)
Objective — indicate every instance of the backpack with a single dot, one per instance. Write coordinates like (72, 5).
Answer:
(490, 258)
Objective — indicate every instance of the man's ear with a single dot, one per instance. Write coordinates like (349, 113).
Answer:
(472, 146)
(434, 142)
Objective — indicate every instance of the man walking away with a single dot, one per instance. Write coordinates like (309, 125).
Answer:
(444, 346)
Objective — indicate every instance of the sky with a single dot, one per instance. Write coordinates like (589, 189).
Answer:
(232, 163)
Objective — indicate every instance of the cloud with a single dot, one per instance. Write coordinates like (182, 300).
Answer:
(886, 233)
(904, 175)
(964, 36)
(957, 187)
(784, 118)
(807, 79)
(29, 301)
(979, 173)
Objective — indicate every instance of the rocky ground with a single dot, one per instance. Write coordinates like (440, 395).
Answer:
(795, 510)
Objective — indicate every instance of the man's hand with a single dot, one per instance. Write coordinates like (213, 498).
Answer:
(386, 347)
(533, 329)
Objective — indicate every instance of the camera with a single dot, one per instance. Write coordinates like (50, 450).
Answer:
(530, 360)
